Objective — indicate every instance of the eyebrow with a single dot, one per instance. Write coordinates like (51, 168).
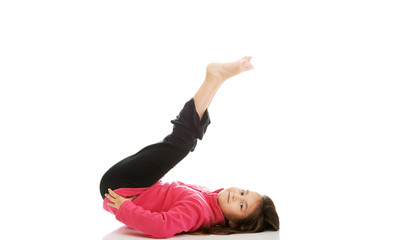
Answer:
(247, 192)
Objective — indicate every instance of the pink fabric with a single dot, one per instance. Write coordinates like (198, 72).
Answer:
(165, 209)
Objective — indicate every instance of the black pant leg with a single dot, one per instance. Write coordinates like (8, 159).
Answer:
(150, 164)
(187, 127)
(144, 168)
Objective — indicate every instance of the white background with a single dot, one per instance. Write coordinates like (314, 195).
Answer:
(85, 84)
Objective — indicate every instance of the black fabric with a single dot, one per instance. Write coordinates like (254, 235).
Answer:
(150, 164)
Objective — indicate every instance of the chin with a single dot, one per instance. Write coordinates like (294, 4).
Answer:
(221, 198)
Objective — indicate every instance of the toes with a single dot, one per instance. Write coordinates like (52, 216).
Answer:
(246, 63)
(246, 60)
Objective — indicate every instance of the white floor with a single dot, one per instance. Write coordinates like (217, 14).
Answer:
(126, 233)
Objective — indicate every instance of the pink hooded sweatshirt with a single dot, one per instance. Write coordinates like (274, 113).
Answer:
(165, 209)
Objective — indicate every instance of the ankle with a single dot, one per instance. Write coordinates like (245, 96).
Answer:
(214, 80)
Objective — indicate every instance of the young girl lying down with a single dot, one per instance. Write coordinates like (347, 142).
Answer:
(133, 192)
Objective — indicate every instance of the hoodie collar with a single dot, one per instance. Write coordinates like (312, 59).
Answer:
(217, 215)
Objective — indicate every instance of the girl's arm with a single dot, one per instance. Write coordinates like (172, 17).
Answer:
(183, 217)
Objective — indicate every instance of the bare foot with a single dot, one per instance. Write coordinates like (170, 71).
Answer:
(223, 71)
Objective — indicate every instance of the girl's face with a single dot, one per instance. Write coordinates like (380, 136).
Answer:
(237, 203)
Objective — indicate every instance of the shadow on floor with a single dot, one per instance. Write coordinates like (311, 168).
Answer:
(126, 233)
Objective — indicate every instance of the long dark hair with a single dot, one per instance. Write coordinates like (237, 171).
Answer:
(262, 219)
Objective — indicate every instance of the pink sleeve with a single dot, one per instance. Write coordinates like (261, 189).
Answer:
(183, 217)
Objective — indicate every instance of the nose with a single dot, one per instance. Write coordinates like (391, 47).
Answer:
(236, 196)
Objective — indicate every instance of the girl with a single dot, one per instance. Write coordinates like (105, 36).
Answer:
(142, 201)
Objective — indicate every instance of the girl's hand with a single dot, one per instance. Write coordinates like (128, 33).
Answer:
(116, 199)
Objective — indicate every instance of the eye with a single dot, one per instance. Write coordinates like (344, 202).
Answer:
(243, 192)
(241, 205)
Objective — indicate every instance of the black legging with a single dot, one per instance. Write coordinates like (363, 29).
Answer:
(150, 164)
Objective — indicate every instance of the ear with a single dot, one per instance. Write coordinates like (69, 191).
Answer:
(232, 223)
